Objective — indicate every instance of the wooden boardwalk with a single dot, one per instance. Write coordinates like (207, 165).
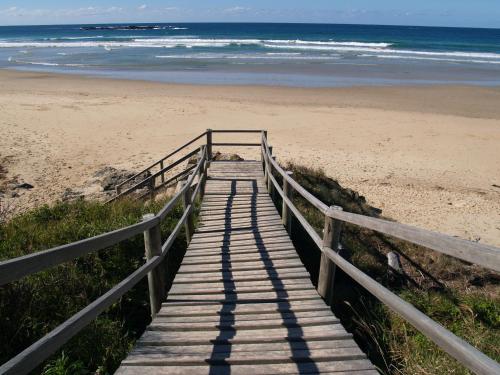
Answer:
(242, 302)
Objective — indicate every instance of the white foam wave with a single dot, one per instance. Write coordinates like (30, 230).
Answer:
(45, 63)
(148, 43)
(202, 56)
(484, 55)
(75, 38)
(399, 57)
(283, 53)
(330, 43)
(293, 46)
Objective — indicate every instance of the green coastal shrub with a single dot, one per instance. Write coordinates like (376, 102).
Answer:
(36, 304)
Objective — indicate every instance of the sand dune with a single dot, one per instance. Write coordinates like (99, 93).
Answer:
(428, 156)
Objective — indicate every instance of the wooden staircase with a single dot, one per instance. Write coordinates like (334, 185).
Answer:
(242, 302)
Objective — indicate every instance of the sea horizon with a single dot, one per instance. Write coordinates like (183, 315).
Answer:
(278, 54)
(250, 23)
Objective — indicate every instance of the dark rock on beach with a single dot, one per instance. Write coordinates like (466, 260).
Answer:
(24, 185)
(110, 177)
(71, 195)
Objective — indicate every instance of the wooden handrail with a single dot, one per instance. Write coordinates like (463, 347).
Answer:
(294, 184)
(459, 349)
(161, 160)
(484, 255)
(153, 176)
(228, 144)
(237, 131)
(17, 268)
(14, 269)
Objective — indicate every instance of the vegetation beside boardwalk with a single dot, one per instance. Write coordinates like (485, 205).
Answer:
(36, 304)
(462, 297)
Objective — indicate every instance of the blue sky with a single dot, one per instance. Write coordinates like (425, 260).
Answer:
(466, 13)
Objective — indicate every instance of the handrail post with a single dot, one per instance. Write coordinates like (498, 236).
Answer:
(209, 144)
(331, 239)
(152, 187)
(162, 173)
(286, 217)
(270, 186)
(262, 154)
(156, 277)
(268, 172)
(203, 176)
(186, 201)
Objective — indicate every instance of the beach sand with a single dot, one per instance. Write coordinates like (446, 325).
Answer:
(427, 156)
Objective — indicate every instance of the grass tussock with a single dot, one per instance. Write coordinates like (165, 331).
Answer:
(462, 297)
(34, 305)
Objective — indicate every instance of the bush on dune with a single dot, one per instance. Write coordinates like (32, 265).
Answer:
(34, 305)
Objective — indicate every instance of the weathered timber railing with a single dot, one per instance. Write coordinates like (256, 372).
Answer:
(160, 163)
(156, 252)
(484, 255)
(14, 269)
(149, 176)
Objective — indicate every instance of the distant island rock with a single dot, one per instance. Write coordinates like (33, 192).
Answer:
(126, 27)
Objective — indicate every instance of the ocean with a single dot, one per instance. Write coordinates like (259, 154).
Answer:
(306, 55)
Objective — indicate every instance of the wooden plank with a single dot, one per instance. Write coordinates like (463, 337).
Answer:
(215, 208)
(239, 370)
(174, 309)
(270, 249)
(249, 214)
(246, 358)
(243, 266)
(247, 275)
(241, 244)
(188, 326)
(247, 297)
(217, 318)
(270, 214)
(249, 225)
(231, 198)
(256, 369)
(238, 284)
(178, 293)
(214, 259)
(266, 232)
(238, 227)
(313, 333)
(243, 348)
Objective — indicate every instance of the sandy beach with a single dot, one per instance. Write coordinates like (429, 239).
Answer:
(426, 155)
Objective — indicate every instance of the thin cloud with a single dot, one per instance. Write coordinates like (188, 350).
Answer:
(142, 7)
(75, 12)
(236, 9)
